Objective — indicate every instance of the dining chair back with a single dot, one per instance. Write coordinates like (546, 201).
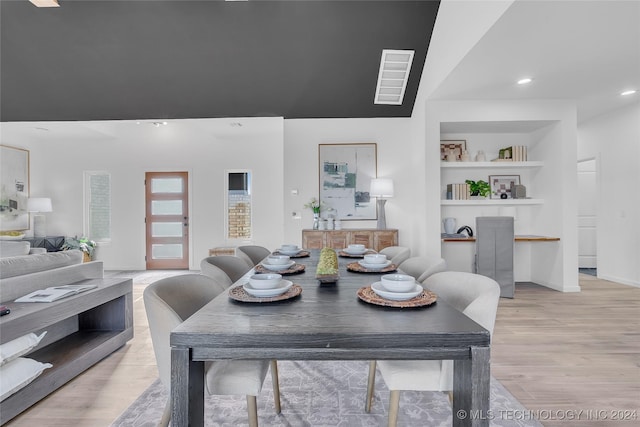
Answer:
(170, 301)
(225, 269)
(252, 254)
(421, 267)
(475, 296)
(397, 254)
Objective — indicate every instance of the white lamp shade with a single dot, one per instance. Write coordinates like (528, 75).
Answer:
(381, 187)
(39, 204)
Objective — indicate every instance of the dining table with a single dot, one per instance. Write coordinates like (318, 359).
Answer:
(328, 321)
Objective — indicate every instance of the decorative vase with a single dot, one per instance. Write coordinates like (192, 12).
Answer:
(316, 220)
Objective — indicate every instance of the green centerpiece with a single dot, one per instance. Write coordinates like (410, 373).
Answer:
(327, 270)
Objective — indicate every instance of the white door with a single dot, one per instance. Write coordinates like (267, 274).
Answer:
(587, 211)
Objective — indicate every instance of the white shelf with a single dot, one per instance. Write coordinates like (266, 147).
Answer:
(492, 165)
(492, 202)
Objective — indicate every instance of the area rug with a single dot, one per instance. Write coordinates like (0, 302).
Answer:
(323, 394)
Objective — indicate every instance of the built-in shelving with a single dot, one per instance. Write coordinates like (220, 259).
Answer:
(492, 202)
(491, 165)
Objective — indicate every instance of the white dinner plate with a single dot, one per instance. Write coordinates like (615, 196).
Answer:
(274, 292)
(356, 251)
(277, 267)
(396, 296)
(370, 266)
(283, 252)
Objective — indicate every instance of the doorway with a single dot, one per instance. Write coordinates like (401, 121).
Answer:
(167, 220)
(587, 216)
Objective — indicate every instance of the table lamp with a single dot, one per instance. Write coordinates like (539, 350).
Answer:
(381, 189)
(39, 205)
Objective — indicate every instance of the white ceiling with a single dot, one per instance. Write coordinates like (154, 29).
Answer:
(587, 51)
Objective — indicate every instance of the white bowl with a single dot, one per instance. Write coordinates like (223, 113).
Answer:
(375, 259)
(266, 293)
(356, 247)
(396, 296)
(278, 259)
(280, 267)
(398, 282)
(265, 281)
(374, 267)
(289, 248)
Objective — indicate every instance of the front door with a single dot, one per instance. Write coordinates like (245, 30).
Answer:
(167, 220)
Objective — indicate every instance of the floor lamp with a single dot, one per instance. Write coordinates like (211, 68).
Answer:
(382, 189)
(39, 205)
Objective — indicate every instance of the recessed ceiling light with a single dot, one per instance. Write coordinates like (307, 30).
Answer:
(525, 81)
(628, 92)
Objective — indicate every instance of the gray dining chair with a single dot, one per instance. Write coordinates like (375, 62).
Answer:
(421, 267)
(474, 295)
(170, 301)
(225, 269)
(397, 254)
(252, 254)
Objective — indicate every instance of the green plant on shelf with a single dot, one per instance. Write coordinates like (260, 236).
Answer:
(479, 188)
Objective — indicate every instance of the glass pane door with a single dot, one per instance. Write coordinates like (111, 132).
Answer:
(167, 220)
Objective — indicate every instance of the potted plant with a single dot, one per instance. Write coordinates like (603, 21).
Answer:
(83, 244)
(479, 188)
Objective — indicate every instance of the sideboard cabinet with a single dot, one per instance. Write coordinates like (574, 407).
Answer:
(340, 239)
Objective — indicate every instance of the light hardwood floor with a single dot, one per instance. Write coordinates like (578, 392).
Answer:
(557, 353)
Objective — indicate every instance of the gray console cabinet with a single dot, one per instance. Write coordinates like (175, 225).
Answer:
(81, 330)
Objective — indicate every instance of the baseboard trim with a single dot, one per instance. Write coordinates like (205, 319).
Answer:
(619, 280)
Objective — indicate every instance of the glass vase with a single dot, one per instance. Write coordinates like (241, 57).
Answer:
(316, 220)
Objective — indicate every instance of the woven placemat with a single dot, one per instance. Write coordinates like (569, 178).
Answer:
(425, 298)
(300, 254)
(239, 294)
(294, 269)
(348, 255)
(356, 267)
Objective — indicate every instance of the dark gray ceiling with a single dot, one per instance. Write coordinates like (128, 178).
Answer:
(113, 60)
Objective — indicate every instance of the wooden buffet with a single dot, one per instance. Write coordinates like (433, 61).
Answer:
(340, 239)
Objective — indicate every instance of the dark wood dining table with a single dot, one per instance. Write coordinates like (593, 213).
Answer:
(328, 322)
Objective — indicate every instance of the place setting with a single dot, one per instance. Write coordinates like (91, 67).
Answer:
(397, 290)
(268, 287)
(372, 263)
(355, 251)
(292, 251)
(280, 264)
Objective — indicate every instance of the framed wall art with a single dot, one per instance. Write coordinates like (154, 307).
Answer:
(458, 146)
(14, 188)
(501, 184)
(346, 171)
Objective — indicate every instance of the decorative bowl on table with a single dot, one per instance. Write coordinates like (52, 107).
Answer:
(355, 249)
(265, 281)
(278, 259)
(380, 290)
(398, 282)
(282, 287)
(375, 267)
(289, 249)
(375, 259)
(277, 267)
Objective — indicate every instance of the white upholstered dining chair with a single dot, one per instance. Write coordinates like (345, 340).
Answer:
(421, 267)
(252, 254)
(474, 295)
(170, 301)
(397, 254)
(224, 269)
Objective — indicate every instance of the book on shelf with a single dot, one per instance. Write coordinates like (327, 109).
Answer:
(55, 293)
(458, 191)
(515, 153)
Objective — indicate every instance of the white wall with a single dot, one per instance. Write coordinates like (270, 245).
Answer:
(613, 140)
(127, 151)
(392, 136)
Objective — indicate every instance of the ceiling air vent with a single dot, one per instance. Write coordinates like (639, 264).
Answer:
(393, 75)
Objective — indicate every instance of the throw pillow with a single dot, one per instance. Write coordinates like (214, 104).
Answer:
(16, 348)
(18, 373)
